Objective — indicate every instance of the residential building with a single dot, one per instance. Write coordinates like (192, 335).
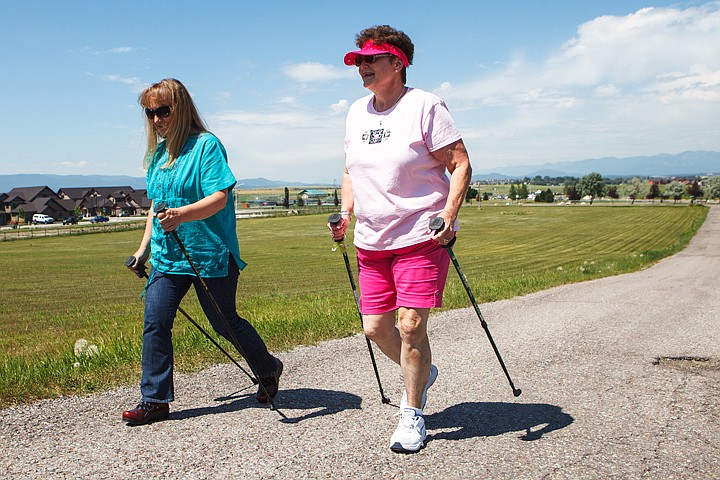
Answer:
(20, 204)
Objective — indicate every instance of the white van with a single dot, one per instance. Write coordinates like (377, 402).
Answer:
(40, 218)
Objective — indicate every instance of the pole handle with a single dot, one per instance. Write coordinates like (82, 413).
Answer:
(139, 270)
(438, 223)
(159, 208)
(334, 219)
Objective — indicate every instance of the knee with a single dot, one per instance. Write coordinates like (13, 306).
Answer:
(157, 330)
(411, 327)
(373, 332)
(158, 320)
(229, 323)
(377, 331)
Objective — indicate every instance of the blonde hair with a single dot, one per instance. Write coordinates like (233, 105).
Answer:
(185, 120)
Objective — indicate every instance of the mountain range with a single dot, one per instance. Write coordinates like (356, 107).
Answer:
(664, 165)
(56, 182)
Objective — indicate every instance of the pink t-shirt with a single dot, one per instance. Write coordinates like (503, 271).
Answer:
(397, 183)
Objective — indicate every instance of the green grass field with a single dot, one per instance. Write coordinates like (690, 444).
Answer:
(295, 289)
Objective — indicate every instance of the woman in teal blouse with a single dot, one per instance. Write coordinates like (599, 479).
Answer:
(187, 170)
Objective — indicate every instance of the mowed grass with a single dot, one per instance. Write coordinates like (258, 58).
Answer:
(295, 289)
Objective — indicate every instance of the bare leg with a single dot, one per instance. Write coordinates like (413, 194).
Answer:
(415, 355)
(407, 345)
(381, 330)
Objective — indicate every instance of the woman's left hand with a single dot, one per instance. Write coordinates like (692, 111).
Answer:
(444, 236)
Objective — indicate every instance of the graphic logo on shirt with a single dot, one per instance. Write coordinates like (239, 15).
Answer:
(375, 136)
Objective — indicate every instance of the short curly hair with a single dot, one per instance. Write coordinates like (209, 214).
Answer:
(380, 34)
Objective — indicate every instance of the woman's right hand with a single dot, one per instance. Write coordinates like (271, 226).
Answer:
(338, 229)
(141, 256)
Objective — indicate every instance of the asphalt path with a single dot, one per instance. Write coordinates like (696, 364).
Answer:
(620, 379)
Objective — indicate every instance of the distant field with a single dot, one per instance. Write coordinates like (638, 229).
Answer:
(276, 194)
(295, 289)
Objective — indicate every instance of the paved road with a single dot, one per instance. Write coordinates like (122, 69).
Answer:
(596, 402)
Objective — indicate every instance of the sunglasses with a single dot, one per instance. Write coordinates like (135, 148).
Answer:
(163, 111)
(370, 58)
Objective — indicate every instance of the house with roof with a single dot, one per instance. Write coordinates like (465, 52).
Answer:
(26, 201)
(75, 194)
(117, 200)
(108, 200)
(138, 203)
(22, 203)
(311, 196)
(4, 217)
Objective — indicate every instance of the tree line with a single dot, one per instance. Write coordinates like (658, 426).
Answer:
(593, 186)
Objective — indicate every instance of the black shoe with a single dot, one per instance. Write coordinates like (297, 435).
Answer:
(271, 384)
(146, 412)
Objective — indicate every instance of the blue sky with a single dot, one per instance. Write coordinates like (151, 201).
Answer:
(528, 82)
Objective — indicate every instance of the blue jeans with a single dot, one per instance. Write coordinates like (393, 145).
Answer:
(162, 299)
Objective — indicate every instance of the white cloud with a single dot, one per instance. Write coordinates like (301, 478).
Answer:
(120, 79)
(698, 85)
(261, 120)
(623, 51)
(116, 50)
(134, 82)
(341, 106)
(317, 72)
(74, 165)
(639, 46)
(283, 145)
(643, 83)
(443, 88)
(607, 90)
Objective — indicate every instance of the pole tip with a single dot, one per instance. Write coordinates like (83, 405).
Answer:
(517, 392)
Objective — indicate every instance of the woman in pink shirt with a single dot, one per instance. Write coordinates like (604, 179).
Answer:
(399, 144)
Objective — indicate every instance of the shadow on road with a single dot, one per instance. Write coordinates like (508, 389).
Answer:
(320, 402)
(312, 402)
(487, 419)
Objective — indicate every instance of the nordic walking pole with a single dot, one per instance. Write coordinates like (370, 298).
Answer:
(334, 219)
(437, 224)
(142, 273)
(163, 206)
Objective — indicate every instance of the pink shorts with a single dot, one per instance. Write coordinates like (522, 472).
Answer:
(411, 277)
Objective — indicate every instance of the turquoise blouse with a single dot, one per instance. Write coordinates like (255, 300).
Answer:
(200, 170)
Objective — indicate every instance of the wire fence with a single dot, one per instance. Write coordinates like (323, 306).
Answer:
(27, 232)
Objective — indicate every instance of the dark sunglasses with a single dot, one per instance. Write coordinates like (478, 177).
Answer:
(163, 111)
(370, 58)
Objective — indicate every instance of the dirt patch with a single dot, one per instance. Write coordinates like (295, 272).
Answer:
(706, 366)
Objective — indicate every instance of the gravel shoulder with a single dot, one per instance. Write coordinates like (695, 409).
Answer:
(620, 379)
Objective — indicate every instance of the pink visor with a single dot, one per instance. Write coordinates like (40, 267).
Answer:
(369, 48)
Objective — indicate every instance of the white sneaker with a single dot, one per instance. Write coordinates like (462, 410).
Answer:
(430, 381)
(409, 437)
